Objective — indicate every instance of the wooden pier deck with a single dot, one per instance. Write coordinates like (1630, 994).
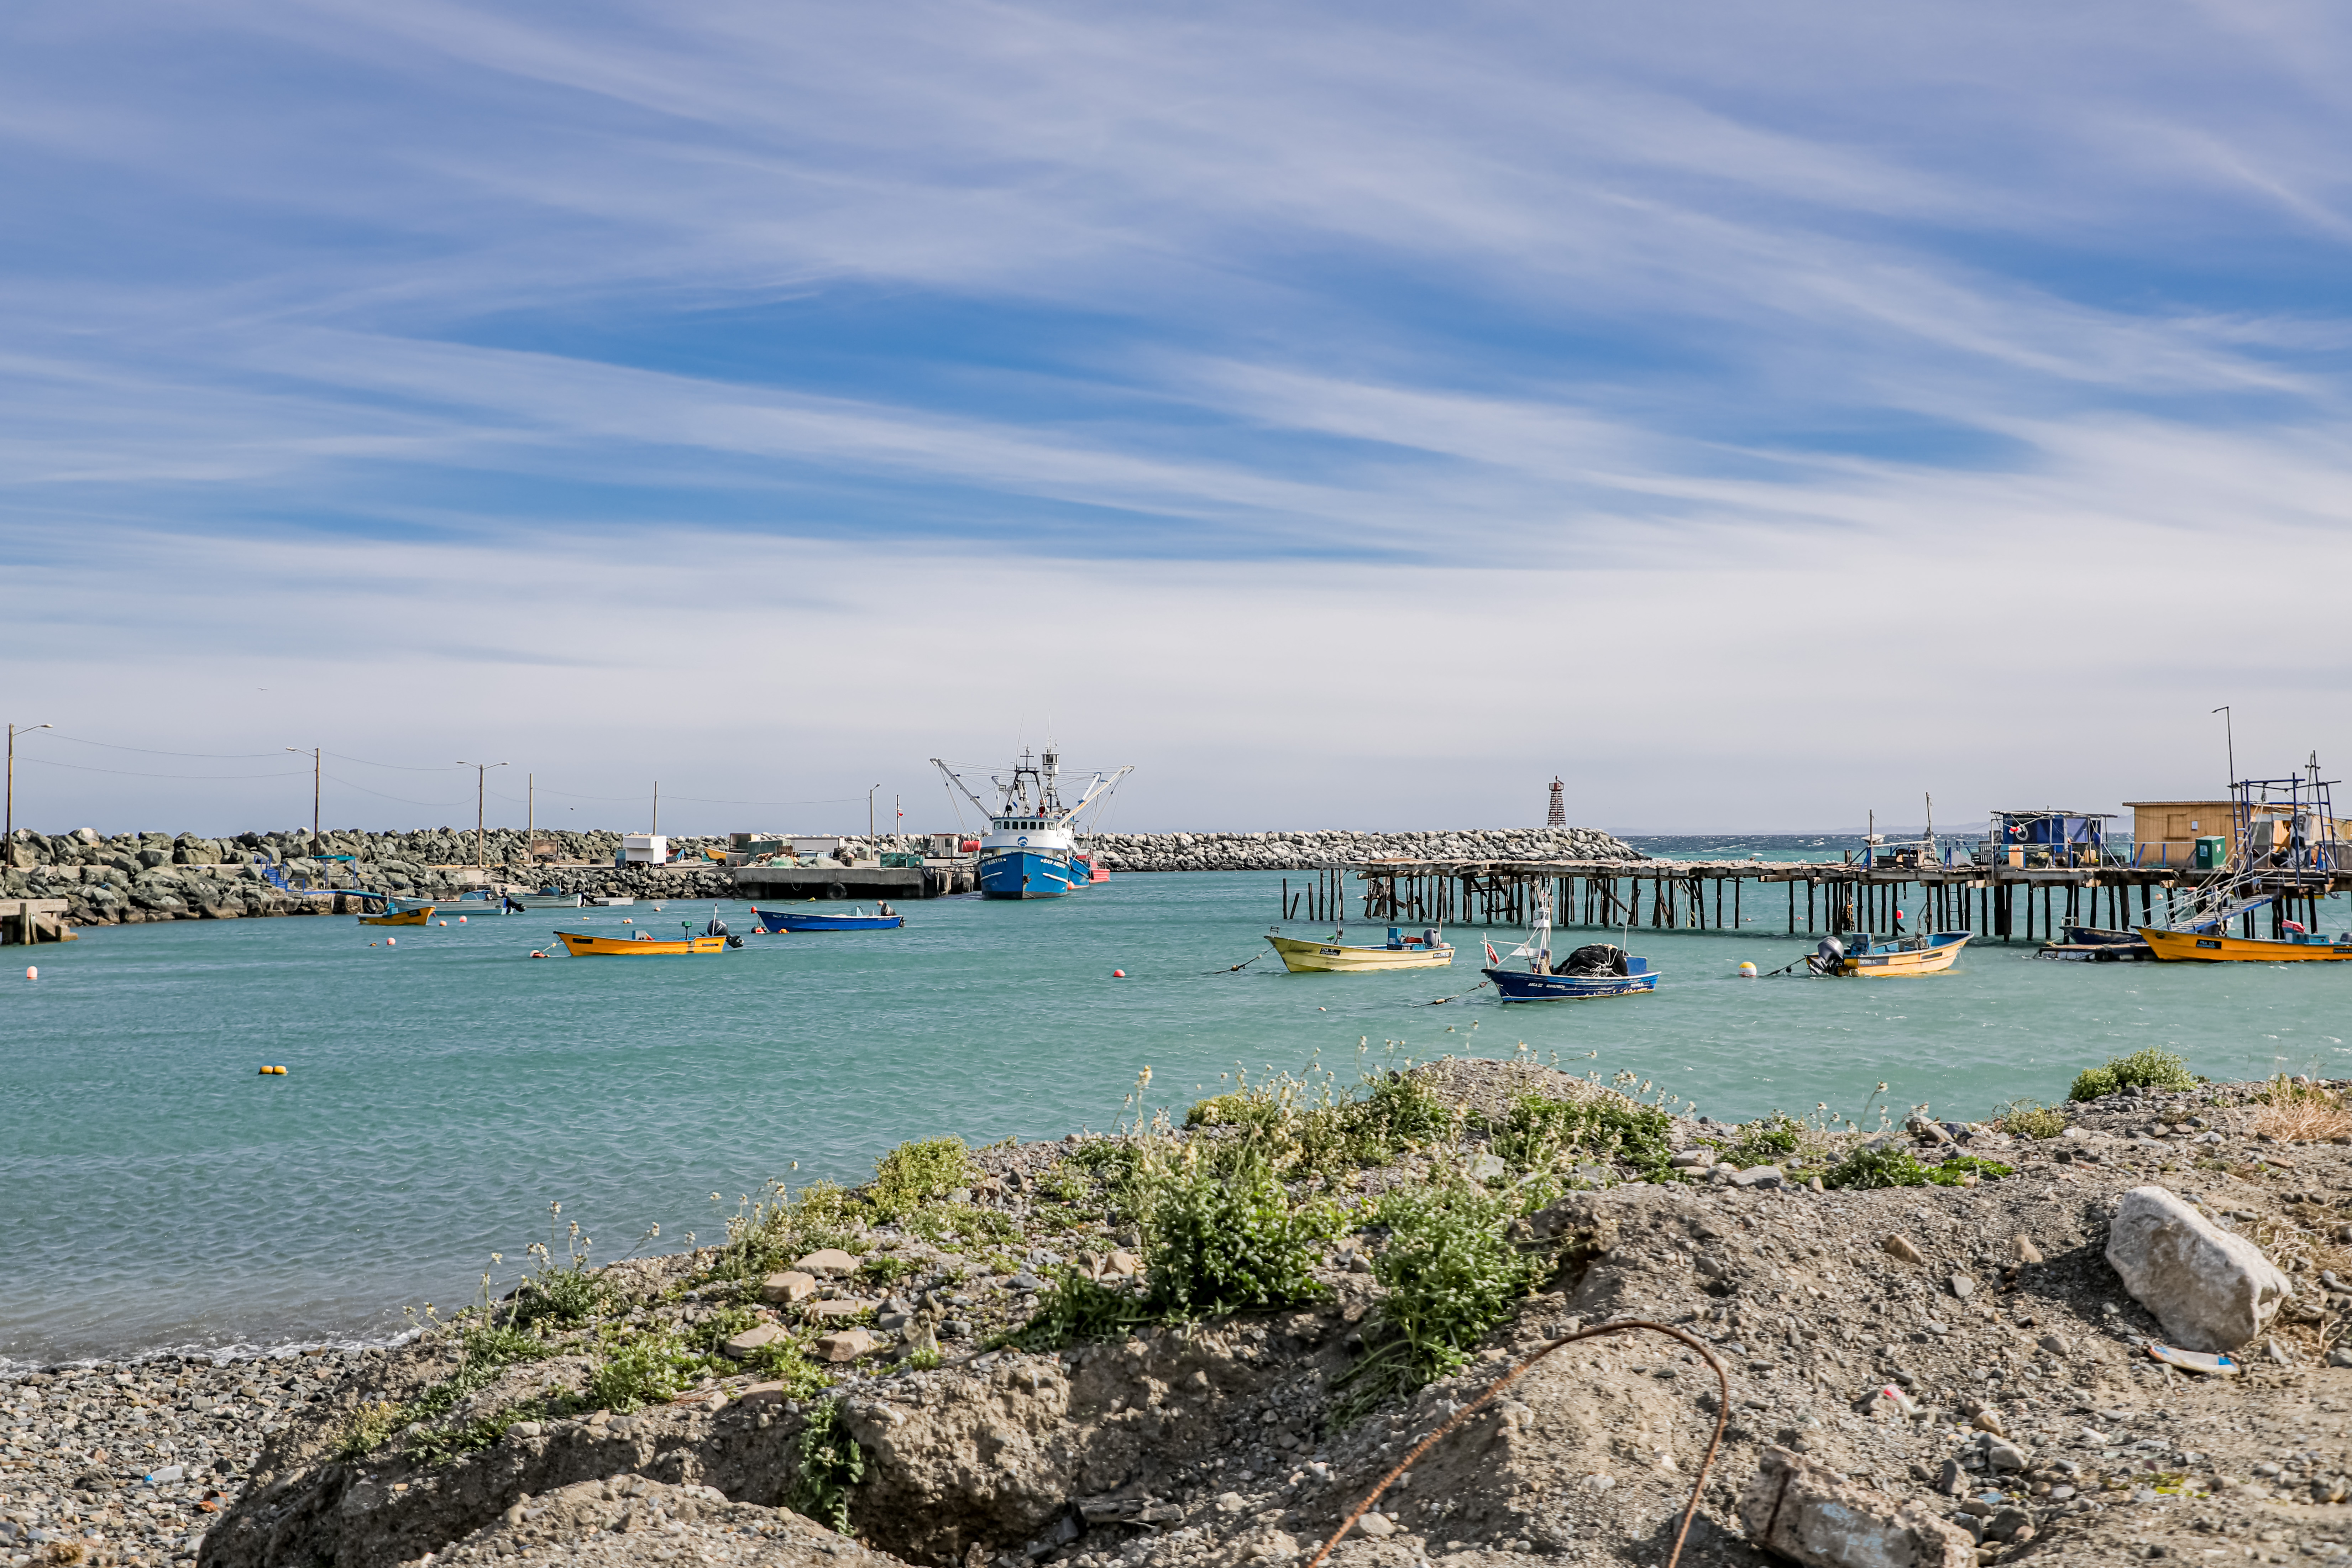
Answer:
(1833, 898)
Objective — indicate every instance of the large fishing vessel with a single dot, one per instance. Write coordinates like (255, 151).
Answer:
(1030, 848)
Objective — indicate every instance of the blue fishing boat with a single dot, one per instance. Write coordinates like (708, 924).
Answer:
(1596, 969)
(885, 919)
(1031, 849)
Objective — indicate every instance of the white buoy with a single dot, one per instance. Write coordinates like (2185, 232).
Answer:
(391, 941)
(32, 971)
(1748, 972)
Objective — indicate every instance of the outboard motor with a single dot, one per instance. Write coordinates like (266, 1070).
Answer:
(716, 926)
(1827, 956)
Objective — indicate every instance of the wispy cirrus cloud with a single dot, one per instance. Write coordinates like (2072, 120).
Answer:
(1205, 297)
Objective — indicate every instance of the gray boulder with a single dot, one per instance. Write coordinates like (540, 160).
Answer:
(2211, 1290)
(1809, 1514)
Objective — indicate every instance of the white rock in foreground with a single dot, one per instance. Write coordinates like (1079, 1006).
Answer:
(2211, 1290)
(1806, 1514)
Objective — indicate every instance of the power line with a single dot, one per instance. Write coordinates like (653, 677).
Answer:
(128, 773)
(148, 752)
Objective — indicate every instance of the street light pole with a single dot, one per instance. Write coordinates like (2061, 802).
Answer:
(317, 766)
(9, 833)
(872, 844)
(481, 772)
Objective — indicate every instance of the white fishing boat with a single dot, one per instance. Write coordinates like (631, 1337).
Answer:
(1031, 849)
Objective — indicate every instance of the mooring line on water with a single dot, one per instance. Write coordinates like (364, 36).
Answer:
(1458, 996)
(1623, 1325)
(1244, 964)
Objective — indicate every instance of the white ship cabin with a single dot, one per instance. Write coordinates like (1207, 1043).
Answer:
(1024, 824)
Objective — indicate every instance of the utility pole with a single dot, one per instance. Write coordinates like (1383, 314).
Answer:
(481, 772)
(316, 767)
(531, 806)
(872, 844)
(9, 833)
(656, 827)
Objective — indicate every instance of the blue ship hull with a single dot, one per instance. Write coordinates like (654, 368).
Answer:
(1519, 986)
(796, 920)
(1027, 874)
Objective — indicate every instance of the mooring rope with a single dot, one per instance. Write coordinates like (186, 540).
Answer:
(1698, 1485)
(1236, 968)
(1458, 996)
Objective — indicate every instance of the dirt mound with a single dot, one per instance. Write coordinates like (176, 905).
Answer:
(1961, 1349)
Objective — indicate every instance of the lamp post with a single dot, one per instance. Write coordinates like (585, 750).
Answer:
(8, 834)
(316, 768)
(872, 846)
(481, 772)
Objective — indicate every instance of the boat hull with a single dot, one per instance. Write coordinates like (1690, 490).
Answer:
(415, 917)
(1942, 948)
(545, 900)
(1519, 986)
(1030, 873)
(1334, 957)
(582, 946)
(794, 920)
(2188, 947)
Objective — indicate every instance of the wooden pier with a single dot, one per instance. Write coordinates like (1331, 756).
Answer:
(2001, 903)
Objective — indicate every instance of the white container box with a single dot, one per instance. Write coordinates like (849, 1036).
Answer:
(645, 848)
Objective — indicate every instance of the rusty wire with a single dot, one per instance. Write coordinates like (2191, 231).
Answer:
(1623, 1325)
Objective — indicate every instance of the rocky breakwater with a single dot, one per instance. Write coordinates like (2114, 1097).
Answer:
(135, 877)
(1205, 1347)
(1310, 851)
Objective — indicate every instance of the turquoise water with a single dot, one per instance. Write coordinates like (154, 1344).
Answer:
(155, 1191)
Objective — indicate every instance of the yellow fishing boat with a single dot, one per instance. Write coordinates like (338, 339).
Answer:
(2202, 947)
(1927, 953)
(400, 918)
(1402, 952)
(580, 946)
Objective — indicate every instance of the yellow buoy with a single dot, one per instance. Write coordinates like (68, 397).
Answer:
(1748, 972)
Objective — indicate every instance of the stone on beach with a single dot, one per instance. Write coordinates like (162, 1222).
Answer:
(830, 1311)
(750, 1342)
(790, 1285)
(2210, 1290)
(1806, 1513)
(1900, 1246)
(847, 1345)
(830, 1262)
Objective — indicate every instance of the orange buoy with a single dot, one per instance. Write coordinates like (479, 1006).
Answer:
(32, 971)
(461, 920)
(391, 941)
(1118, 974)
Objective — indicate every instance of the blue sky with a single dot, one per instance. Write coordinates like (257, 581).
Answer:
(1347, 415)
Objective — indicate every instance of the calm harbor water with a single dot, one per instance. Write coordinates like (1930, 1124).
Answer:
(155, 1191)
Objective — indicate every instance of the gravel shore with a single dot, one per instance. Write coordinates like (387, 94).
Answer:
(2030, 1418)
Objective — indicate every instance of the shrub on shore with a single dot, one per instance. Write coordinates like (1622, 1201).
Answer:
(1451, 1273)
(2149, 1068)
(2029, 1118)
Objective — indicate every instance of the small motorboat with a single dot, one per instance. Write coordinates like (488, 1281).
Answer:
(2094, 944)
(1596, 969)
(614, 903)
(411, 917)
(1894, 957)
(1426, 951)
(545, 898)
(884, 919)
(644, 946)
